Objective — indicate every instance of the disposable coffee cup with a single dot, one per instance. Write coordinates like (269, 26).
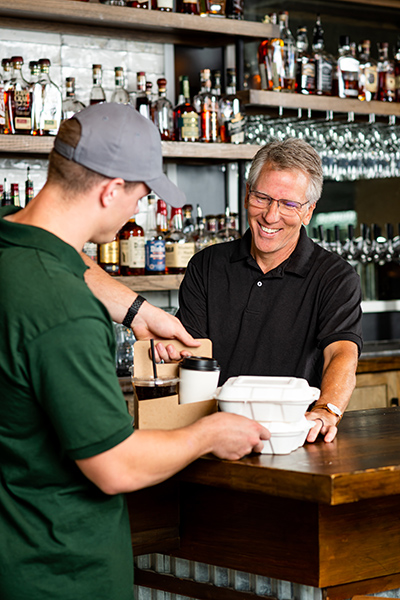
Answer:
(198, 379)
(150, 388)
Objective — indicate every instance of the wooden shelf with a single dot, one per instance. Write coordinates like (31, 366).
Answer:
(133, 23)
(319, 103)
(152, 283)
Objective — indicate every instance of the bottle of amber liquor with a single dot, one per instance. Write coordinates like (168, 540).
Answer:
(179, 249)
(232, 118)
(207, 105)
(108, 257)
(19, 100)
(386, 74)
(186, 119)
(131, 248)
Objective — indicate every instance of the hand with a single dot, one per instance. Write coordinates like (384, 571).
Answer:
(325, 424)
(234, 436)
(168, 353)
(152, 322)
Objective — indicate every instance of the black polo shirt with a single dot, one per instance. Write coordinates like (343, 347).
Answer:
(276, 323)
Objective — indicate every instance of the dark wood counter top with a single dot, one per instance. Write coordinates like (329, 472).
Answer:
(363, 462)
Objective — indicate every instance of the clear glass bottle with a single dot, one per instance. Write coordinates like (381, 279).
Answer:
(216, 85)
(154, 242)
(386, 74)
(232, 117)
(37, 97)
(348, 67)
(324, 62)
(97, 94)
(274, 65)
(200, 235)
(71, 105)
(131, 248)
(207, 105)
(368, 76)
(143, 102)
(289, 53)
(186, 119)
(305, 73)
(178, 248)
(51, 109)
(29, 192)
(264, 68)
(162, 112)
(120, 95)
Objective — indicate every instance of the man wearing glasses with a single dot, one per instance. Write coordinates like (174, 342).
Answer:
(274, 302)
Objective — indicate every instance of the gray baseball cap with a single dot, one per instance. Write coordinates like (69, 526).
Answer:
(117, 141)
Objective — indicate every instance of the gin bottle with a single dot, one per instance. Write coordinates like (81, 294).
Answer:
(162, 112)
(97, 94)
(289, 53)
(120, 95)
(71, 105)
(51, 109)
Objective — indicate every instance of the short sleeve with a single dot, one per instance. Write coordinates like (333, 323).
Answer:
(72, 370)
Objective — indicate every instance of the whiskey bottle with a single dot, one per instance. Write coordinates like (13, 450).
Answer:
(51, 109)
(15, 195)
(324, 62)
(7, 74)
(19, 100)
(386, 74)
(108, 257)
(368, 75)
(162, 112)
(71, 105)
(264, 68)
(164, 5)
(212, 8)
(154, 242)
(178, 248)
(305, 75)
(232, 118)
(189, 7)
(131, 247)
(186, 119)
(2, 105)
(275, 61)
(120, 95)
(143, 102)
(29, 193)
(348, 67)
(206, 104)
(97, 94)
(397, 68)
(289, 53)
(188, 222)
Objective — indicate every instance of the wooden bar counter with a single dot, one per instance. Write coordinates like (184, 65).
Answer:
(326, 515)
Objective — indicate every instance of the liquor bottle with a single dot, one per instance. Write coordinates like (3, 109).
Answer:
(178, 248)
(120, 95)
(264, 66)
(51, 109)
(386, 74)
(162, 112)
(131, 248)
(19, 100)
(164, 5)
(6, 196)
(324, 62)
(212, 8)
(275, 61)
(29, 193)
(138, 4)
(143, 102)
(216, 86)
(188, 222)
(71, 105)
(207, 105)
(162, 217)
(15, 195)
(397, 68)
(234, 9)
(108, 257)
(37, 98)
(212, 229)
(228, 231)
(2, 105)
(305, 72)
(289, 53)
(97, 94)
(92, 250)
(186, 119)
(348, 67)
(368, 76)
(189, 7)
(232, 117)
(7, 74)
(154, 242)
(200, 235)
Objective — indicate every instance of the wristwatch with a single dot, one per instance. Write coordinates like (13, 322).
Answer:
(334, 410)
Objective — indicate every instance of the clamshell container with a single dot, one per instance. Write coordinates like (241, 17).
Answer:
(286, 437)
(267, 399)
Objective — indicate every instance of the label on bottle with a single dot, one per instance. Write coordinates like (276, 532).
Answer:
(323, 75)
(390, 82)
(189, 125)
(371, 79)
(109, 253)
(50, 124)
(132, 252)
(165, 4)
(2, 106)
(22, 123)
(178, 255)
(155, 256)
(236, 129)
(90, 249)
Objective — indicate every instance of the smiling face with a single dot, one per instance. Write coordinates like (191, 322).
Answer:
(274, 237)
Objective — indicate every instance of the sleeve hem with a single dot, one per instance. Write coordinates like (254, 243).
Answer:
(338, 337)
(101, 446)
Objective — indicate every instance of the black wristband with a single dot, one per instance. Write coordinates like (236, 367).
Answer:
(133, 310)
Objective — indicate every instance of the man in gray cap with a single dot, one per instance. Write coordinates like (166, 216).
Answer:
(68, 450)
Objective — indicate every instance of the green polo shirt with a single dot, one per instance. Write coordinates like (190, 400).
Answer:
(61, 538)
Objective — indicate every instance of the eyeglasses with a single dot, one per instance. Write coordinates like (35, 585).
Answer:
(263, 201)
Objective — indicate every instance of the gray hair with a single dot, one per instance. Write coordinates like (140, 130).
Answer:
(289, 154)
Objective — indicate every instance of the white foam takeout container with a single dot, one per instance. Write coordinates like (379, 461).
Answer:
(286, 437)
(267, 399)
